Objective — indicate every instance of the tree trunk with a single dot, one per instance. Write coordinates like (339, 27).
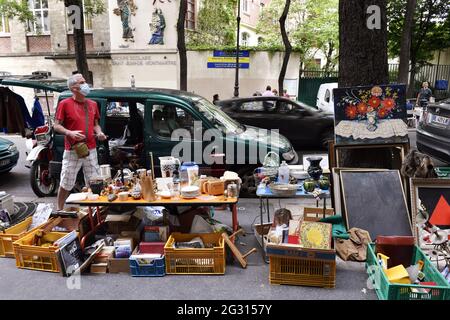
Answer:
(405, 48)
(412, 76)
(363, 56)
(287, 47)
(80, 43)
(328, 57)
(363, 60)
(181, 44)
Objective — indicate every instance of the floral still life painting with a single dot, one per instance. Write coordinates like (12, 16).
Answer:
(370, 115)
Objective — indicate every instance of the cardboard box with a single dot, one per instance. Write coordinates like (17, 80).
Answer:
(104, 255)
(135, 235)
(99, 267)
(116, 224)
(116, 265)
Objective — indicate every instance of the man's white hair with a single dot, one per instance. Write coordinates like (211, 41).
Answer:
(73, 79)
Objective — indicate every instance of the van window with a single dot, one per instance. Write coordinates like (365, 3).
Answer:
(327, 96)
(125, 119)
(168, 118)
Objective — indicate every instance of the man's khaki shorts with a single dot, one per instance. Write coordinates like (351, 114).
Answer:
(71, 164)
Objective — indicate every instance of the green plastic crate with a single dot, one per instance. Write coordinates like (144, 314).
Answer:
(390, 291)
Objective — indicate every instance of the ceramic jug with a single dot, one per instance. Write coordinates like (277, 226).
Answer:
(168, 166)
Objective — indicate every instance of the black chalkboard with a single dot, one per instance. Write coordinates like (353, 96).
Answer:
(375, 201)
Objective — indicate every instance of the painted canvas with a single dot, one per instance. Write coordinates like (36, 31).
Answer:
(431, 211)
(370, 115)
(315, 235)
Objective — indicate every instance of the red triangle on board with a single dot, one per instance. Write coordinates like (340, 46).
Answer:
(441, 214)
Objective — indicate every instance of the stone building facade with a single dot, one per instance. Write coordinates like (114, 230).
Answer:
(150, 55)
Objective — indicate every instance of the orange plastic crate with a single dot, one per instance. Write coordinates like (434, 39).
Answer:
(195, 261)
(12, 234)
(37, 258)
(301, 266)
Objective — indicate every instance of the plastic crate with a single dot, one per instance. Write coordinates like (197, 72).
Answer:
(393, 291)
(293, 265)
(19, 230)
(195, 261)
(154, 268)
(12, 234)
(37, 258)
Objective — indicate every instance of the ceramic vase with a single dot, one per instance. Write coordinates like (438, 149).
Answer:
(314, 170)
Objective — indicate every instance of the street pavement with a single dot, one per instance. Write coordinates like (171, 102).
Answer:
(237, 283)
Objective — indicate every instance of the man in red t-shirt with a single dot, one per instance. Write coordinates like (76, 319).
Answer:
(71, 122)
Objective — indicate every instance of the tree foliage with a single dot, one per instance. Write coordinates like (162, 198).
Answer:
(17, 9)
(216, 24)
(431, 30)
(311, 26)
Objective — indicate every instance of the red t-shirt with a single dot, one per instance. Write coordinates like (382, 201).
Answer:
(72, 116)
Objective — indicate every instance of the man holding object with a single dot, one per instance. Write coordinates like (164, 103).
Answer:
(72, 123)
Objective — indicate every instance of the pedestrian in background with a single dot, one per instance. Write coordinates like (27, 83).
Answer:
(77, 118)
(275, 92)
(268, 92)
(215, 98)
(424, 95)
(285, 94)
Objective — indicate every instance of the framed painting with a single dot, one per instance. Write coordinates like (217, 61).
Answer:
(370, 115)
(430, 203)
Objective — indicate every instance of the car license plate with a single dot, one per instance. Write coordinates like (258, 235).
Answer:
(440, 120)
(4, 162)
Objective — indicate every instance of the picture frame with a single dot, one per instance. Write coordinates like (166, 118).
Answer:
(385, 207)
(425, 191)
(375, 114)
(336, 194)
(399, 150)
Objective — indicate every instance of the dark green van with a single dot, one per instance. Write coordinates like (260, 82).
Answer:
(150, 123)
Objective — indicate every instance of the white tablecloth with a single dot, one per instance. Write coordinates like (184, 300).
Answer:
(358, 129)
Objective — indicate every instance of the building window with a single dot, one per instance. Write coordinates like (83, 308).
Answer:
(245, 38)
(260, 40)
(39, 8)
(190, 15)
(87, 20)
(261, 7)
(245, 5)
(4, 24)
